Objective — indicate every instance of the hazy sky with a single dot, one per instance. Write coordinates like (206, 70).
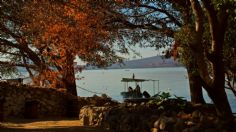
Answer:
(145, 52)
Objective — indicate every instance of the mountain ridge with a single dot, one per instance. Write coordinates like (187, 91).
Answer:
(149, 62)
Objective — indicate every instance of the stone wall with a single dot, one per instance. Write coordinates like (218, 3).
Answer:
(25, 101)
(122, 117)
(132, 117)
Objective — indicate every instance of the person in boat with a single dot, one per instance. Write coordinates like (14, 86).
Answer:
(130, 92)
(133, 76)
(146, 94)
(130, 89)
(137, 89)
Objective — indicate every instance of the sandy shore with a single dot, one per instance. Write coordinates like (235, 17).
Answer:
(47, 125)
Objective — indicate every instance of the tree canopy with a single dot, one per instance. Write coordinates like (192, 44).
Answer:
(46, 36)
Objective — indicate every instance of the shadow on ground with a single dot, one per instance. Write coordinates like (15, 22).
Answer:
(56, 129)
(47, 125)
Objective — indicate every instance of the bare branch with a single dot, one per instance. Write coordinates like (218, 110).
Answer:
(12, 64)
(165, 12)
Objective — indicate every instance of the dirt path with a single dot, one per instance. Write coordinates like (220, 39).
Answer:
(53, 125)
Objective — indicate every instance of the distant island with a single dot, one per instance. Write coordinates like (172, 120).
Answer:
(150, 62)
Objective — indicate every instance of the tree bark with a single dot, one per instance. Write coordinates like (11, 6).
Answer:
(219, 98)
(218, 23)
(69, 74)
(214, 85)
(217, 90)
(195, 86)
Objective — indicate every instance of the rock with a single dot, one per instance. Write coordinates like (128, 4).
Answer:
(183, 115)
(100, 115)
(85, 121)
(196, 116)
(134, 105)
(186, 130)
(179, 125)
(164, 123)
(143, 104)
(129, 104)
(156, 124)
(154, 130)
(94, 114)
(190, 123)
(195, 129)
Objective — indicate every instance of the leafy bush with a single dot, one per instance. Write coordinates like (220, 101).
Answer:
(164, 101)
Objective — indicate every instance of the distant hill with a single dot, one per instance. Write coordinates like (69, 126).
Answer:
(150, 62)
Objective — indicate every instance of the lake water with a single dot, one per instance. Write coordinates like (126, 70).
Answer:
(173, 80)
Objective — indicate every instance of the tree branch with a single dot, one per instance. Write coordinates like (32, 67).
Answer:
(26, 65)
(6, 63)
(165, 12)
(126, 24)
(197, 46)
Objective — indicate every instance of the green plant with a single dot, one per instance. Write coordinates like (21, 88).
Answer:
(164, 101)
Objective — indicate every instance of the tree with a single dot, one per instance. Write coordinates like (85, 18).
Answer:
(214, 85)
(157, 24)
(10, 36)
(182, 42)
(145, 16)
(230, 53)
(50, 41)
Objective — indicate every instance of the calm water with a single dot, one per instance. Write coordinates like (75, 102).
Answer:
(173, 80)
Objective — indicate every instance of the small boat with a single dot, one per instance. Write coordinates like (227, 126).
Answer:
(130, 93)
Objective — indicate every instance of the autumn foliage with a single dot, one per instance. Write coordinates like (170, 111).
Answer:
(52, 33)
(60, 31)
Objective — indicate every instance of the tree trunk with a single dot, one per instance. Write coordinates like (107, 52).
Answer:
(69, 75)
(214, 85)
(219, 98)
(218, 23)
(217, 90)
(195, 86)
